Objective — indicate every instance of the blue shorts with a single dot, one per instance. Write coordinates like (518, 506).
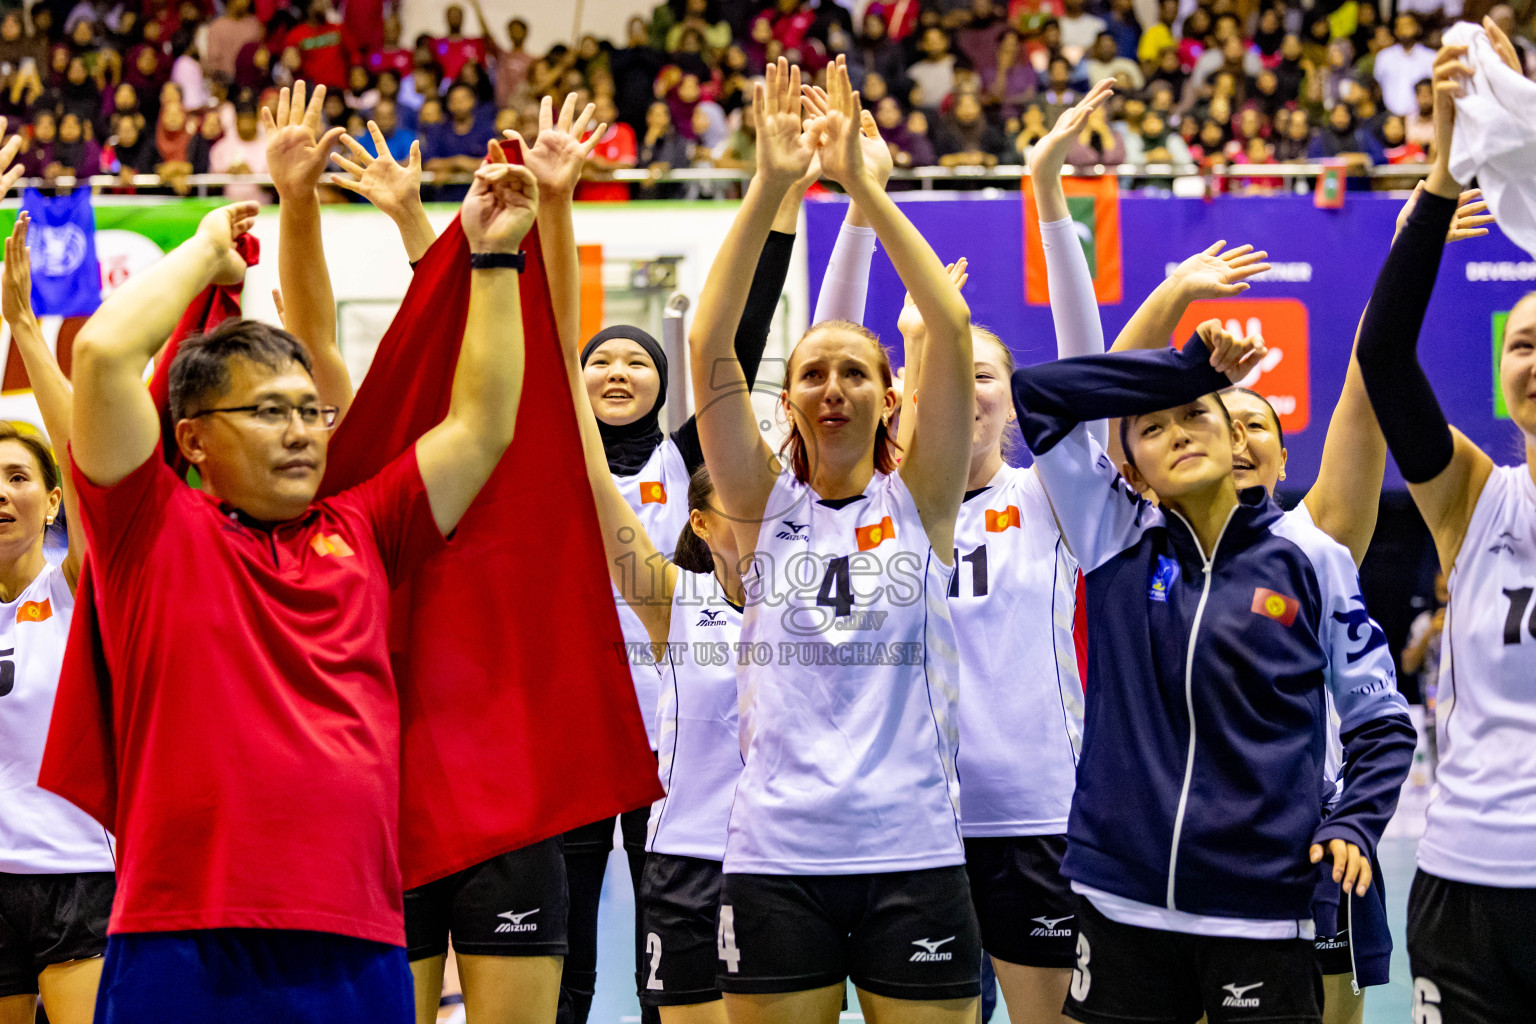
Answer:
(253, 976)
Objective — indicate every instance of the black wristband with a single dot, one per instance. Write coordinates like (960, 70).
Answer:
(492, 260)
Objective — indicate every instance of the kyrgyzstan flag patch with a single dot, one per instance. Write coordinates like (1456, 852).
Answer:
(998, 521)
(873, 536)
(653, 492)
(1275, 605)
(35, 611)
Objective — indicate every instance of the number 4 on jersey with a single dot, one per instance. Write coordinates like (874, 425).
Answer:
(725, 938)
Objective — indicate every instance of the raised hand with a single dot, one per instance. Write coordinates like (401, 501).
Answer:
(1050, 152)
(1214, 274)
(785, 146)
(910, 322)
(9, 175)
(558, 154)
(877, 153)
(1236, 357)
(16, 283)
(1502, 46)
(296, 151)
(1470, 221)
(219, 228)
(1451, 73)
(502, 203)
(382, 180)
(842, 152)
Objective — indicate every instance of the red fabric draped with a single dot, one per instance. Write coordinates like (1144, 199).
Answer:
(518, 715)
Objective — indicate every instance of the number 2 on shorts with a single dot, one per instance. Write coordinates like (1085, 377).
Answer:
(653, 950)
(725, 940)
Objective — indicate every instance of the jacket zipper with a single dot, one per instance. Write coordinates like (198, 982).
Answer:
(1189, 693)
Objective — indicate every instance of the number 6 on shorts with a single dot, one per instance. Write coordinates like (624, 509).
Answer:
(725, 940)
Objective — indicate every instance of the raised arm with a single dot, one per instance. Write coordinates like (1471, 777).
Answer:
(914, 335)
(114, 426)
(394, 188)
(1345, 498)
(50, 387)
(296, 155)
(740, 461)
(458, 455)
(556, 159)
(1074, 305)
(845, 286)
(935, 467)
(1444, 470)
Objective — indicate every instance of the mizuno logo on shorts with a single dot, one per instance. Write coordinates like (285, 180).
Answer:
(1050, 927)
(930, 951)
(1239, 998)
(515, 923)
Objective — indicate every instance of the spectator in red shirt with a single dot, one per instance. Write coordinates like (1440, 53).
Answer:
(325, 49)
(454, 50)
(393, 56)
(511, 69)
(289, 906)
(615, 150)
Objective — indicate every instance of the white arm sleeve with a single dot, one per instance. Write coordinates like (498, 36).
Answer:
(1074, 307)
(846, 284)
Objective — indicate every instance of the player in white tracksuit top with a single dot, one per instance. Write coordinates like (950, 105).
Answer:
(844, 856)
(56, 864)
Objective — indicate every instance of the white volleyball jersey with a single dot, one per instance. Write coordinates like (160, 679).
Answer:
(698, 750)
(40, 833)
(1013, 598)
(1482, 816)
(659, 496)
(848, 700)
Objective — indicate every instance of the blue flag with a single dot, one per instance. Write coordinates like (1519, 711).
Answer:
(66, 278)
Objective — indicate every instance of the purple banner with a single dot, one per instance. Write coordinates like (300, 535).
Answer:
(1325, 266)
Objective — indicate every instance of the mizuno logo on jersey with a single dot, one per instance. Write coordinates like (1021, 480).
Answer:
(515, 923)
(930, 951)
(793, 531)
(331, 544)
(1504, 545)
(1239, 997)
(870, 537)
(1050, 927)
(711, 617)
(35, 611)
(653, 492)
(1164, 574)
(998, 521)
(1361, 629)
(1274, 605)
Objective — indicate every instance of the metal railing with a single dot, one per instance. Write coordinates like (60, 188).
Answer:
(928, 177)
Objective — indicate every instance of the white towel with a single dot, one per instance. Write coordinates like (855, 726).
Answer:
(1495, 138)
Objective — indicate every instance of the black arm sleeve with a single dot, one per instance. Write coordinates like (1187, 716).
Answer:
(1417, 433)
(751, 332)
(1053, 398)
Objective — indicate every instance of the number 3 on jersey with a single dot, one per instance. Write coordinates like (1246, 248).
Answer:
(725, 937)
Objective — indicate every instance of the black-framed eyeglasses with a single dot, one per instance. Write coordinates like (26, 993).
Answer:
(278, 414)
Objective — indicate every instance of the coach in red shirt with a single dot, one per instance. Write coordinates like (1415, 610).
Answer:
(244, 625)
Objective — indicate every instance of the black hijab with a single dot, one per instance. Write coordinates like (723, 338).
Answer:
(628, 447)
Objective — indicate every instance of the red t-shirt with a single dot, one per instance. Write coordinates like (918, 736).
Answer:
(326, 51)
(453, 54)
(258, 730)
(618, 144)
(398, 61)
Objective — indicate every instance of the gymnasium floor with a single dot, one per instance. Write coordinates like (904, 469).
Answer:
(616, 1003)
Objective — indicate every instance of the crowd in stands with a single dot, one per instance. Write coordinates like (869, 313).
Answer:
(174, 86)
